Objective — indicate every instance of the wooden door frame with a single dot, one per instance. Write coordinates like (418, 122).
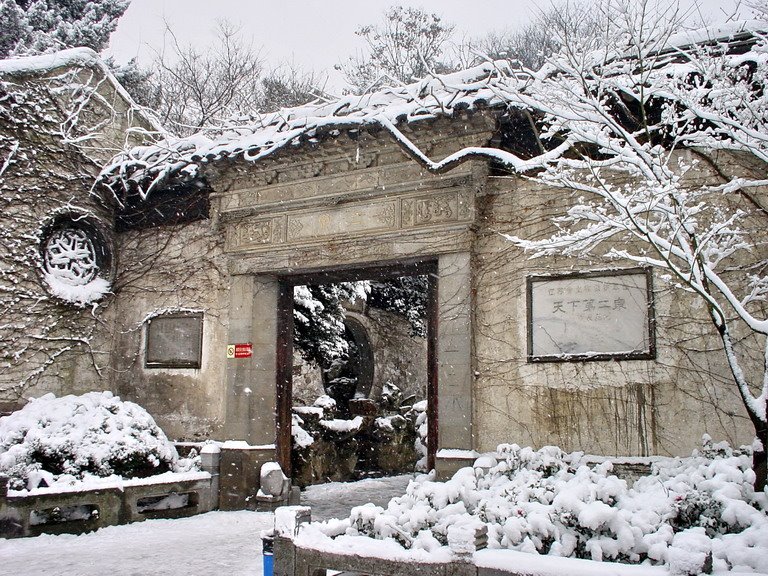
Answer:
(284, 379)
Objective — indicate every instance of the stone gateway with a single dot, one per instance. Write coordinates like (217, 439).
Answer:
(209, 237)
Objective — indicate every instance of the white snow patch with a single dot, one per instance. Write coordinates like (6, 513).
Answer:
(79, 294)
(455, 453)
(338, 425)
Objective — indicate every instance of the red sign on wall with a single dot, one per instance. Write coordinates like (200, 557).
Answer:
(240, 350)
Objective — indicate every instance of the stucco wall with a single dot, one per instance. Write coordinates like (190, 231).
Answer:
(621, 407)
(57, 127)
(328, 208)
(171, 269)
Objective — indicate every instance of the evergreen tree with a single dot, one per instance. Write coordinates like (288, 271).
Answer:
(318, 328)
(38, 26)
(318, 311)
(407, 296)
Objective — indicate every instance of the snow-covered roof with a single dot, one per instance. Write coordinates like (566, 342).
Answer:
(47, 62)
(490, 84)
(260, 136)
(725, 32)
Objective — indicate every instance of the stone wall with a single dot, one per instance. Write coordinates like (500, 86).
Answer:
(399, 358)
(620, 407)
(354, 203)
(57, 127)
(165, 270)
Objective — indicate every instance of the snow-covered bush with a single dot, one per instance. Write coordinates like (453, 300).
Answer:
(687, 514)
(419, 413)
(62, 440)
(381, 437)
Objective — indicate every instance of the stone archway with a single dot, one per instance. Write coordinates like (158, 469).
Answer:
(329, 219)
(258, 402)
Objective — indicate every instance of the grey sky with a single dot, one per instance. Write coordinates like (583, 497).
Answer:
(313, 34)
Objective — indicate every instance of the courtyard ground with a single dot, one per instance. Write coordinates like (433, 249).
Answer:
(214, 543)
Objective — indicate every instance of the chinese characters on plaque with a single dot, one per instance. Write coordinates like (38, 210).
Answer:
(590, 316)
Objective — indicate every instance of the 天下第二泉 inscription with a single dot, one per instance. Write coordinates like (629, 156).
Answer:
(594, 315)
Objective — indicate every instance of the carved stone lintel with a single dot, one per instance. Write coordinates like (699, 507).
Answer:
(438, 208)
(249, 233)
(294, 228)
(359, 219)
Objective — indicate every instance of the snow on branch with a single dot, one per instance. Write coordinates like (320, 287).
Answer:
(603, 72)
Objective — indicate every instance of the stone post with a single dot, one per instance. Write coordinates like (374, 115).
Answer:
(288, 520)
(11, 522)
(284, 556)
(250, 404)
(210, 458)
(454, 356)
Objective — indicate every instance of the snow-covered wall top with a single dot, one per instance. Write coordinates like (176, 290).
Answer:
(48, 62)
(44, 64)
(263, 135)
(491, 84)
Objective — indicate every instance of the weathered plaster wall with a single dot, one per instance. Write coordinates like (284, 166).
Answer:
(169, 269)
(56, 130)
(352, 203)
(622, 407)
(398, 357)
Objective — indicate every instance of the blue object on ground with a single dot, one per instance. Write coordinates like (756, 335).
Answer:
(267, 544)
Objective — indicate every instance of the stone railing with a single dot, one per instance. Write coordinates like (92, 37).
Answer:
(56, 510)
(292, 559)
(229, 480)
(300, 553)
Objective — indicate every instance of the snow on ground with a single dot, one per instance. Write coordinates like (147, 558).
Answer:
(214, 543)
(336, 499)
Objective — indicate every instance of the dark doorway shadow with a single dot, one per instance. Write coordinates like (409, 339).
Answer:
(361, 368)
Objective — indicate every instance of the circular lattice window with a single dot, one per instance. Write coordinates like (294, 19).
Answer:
(75, 262)
(70, 257)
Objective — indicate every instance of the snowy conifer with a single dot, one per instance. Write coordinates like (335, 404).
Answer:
(39, 26)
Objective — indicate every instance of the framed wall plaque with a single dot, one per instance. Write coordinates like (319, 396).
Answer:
(598, 315)
(174, 341)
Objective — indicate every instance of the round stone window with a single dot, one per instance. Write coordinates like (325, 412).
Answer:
(70, 256)
(76, 261)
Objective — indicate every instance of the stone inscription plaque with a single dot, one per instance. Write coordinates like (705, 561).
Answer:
(174, 341)
(358, 218)
(591, 316)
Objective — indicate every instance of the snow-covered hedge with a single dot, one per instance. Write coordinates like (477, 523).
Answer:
(687, 514)
(63, 440)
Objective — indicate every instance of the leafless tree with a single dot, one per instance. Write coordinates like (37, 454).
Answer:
(287, 85)
(531, 44)
(195, 87)
(407, 44)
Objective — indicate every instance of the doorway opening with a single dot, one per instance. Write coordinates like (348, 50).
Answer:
(357, 372)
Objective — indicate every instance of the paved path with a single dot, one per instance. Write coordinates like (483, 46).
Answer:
(225, 543)
(336, 499)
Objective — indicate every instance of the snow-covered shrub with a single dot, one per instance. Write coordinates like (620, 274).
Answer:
(65, 439)
(419, 413)
(690, 513)
(377, 438)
